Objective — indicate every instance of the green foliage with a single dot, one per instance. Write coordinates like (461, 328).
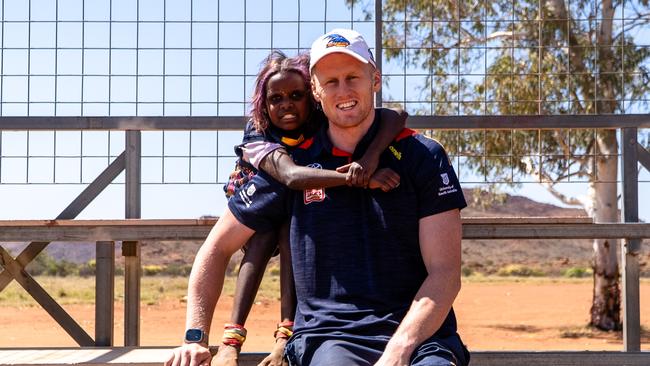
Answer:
(88, 269)
(577, 272)
(44, 264)
(500, 58)
(182, 270)
(273, 270)
(466, 271)
(519, 270)
(152, 270)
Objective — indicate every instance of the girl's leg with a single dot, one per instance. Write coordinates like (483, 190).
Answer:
(287, 287)
(259, 250)
(287, 298)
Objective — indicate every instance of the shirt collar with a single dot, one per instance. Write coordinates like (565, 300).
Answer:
(323, 144)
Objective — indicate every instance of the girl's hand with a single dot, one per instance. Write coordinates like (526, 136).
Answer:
(226, 356)
(275, 357)
(359, 172)
(384, 179)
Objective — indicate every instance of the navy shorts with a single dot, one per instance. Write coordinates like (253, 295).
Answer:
(310, 350)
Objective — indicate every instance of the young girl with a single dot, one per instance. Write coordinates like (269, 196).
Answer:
(283, 115)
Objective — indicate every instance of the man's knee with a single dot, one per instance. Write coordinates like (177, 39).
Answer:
(336, 352)
(434, 355)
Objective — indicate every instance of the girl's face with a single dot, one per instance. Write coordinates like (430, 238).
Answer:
(287, 100)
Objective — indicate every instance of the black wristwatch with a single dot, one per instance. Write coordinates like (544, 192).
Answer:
(196, 336)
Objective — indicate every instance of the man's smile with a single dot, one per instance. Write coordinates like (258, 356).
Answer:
(347, 105)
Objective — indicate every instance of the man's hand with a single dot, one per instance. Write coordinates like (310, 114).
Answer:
(275, 357)
(190, 354)
(392, 359)
(226, 356)
(384, 179)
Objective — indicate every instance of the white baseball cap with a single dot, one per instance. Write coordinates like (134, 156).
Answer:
(346, 41)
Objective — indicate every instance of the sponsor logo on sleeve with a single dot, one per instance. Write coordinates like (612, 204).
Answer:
(397, 154)
(316, 194)
(446, 187)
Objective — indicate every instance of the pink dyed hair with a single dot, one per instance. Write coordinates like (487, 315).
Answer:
(275, 63)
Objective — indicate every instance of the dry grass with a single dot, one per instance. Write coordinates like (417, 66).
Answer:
(81, 290)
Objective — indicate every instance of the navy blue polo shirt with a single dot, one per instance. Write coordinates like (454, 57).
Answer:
(355, 252)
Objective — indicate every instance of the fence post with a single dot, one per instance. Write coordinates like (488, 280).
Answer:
(378, 46)
(630, 247)
(131, 249)
(104, 293)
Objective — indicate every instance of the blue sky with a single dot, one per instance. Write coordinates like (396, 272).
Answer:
(125, 57)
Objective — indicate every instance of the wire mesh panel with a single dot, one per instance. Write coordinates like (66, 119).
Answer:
(522, 58)
(140, 58)
(200, 58)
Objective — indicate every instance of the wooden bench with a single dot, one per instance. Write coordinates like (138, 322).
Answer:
(155, 356)
(106, 232)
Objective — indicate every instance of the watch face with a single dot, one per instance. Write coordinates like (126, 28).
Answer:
(193, 335)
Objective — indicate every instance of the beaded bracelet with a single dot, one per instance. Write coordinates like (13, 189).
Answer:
(284, 331)
(234, 335)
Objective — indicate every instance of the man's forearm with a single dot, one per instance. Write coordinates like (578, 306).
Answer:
(426, 314)
(204, 288)
(209, 269)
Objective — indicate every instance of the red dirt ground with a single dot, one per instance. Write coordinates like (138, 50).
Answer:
(492, 316)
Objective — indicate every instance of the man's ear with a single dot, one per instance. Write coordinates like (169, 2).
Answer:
(314, 91)
(376, 81)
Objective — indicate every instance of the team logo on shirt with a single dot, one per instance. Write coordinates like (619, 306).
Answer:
(247, 194)
(316, 194)
(445, 178)
(446, 187)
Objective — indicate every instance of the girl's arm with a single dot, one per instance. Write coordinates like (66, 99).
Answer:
(281, 166)
(391, 123)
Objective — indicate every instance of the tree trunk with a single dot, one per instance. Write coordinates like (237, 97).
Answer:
(606, 305)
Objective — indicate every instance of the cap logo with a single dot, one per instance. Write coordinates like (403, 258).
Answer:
(336, 40)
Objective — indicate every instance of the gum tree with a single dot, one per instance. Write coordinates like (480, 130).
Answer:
(533, 57)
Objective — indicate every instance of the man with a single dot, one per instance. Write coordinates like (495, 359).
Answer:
(376, 272)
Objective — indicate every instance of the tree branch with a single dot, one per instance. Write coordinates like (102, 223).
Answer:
(571, 201)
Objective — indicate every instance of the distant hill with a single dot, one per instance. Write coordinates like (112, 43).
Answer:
(485, 256)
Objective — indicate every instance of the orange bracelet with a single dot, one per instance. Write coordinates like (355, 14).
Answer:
(284, 330)
(234, 335)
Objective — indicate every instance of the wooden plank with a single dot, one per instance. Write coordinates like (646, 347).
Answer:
(528, 122)
(630, 247)
(131, 249)
(120, 222)
(557, 231)
(70, 212)
(94, 188)
(526, 220)
(644, 156)
(27, 255)
(104, 293)
(81, 233)
(630, 297)
(45, 300)
(509, 122)
(150, 356)
(568, 358)
(211, 221)
(123, 123)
